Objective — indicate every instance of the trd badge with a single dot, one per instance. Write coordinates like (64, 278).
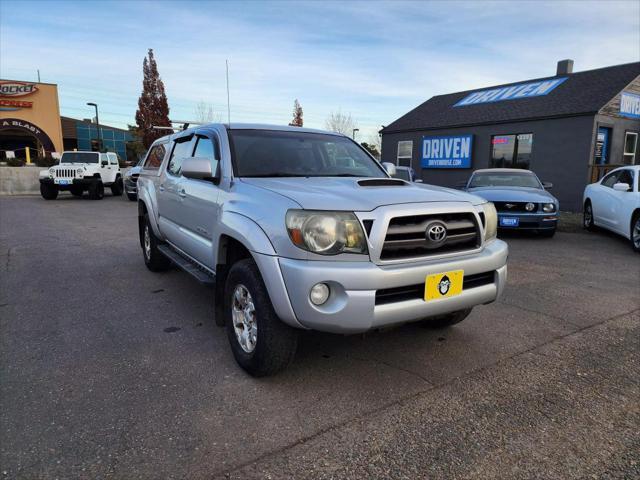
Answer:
(444, 285)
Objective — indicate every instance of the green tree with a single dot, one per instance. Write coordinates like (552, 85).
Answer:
(153, 108)
(371, 148)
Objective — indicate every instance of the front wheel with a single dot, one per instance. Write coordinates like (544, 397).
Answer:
(635, 232)
(261, 344)
(447, 320)
(117, 187)
(48, 191)
(587, 216)
(96, 190)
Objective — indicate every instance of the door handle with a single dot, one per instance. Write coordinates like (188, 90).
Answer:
(182, 193)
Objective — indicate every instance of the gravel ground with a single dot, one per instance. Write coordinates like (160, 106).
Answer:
(110, 371)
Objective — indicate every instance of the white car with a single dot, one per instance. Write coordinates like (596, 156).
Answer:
(614, 203)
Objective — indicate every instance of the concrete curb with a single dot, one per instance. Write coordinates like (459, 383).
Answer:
(20, 180)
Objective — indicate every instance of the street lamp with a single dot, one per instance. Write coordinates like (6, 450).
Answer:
(354, 133)
(95, 105)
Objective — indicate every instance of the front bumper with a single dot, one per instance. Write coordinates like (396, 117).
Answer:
(352, 306)
(130, 186)
(530, 221)
(82, 182)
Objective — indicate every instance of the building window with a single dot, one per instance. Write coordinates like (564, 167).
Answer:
(511, 151)
(630, 148)
(405, 152)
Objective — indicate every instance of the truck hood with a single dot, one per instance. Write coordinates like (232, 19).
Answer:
(513, 194)
(332, 193)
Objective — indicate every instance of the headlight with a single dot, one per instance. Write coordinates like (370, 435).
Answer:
(548, 207)
(491, 221)
(52, 170)
(326, 233)
(79, 172)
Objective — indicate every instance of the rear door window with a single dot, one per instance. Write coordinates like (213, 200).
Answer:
(155, 156)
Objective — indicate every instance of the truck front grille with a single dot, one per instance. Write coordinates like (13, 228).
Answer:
(65, 172)
(414, 292)
(407, 237)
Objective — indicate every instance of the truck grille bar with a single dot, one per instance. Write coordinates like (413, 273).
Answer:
(407, 236)
(65, 172)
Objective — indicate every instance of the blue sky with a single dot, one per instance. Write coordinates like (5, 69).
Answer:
(375, 60)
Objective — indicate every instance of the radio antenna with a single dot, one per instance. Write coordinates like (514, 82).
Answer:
(228, 104)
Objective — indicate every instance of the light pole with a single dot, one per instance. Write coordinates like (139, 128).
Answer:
(95, 105)
(353, 135)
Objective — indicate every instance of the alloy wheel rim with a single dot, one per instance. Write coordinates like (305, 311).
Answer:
(243, 314)
(636, 233)
(147, 242)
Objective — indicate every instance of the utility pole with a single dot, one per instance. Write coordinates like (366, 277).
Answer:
(353, 135)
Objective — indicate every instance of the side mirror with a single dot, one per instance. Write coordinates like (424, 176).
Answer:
(390, 168)
(104, 163)
(198, 168)
(621, 187)
(547, 185)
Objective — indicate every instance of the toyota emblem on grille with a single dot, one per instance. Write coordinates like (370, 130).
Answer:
(436, 234)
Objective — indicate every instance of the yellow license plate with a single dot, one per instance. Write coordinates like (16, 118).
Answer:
(442, 285)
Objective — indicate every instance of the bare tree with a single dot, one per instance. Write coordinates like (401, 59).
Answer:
(297, 115)
(341, 123)
(204, 113)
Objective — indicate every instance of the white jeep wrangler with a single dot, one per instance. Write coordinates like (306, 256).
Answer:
(78, 172)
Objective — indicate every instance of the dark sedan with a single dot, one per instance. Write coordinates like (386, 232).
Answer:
(520, 198)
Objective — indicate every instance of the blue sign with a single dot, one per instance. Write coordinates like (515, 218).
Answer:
(513, 92)
(447, 152)
(630, 105)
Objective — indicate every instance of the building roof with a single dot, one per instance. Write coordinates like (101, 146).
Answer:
(582, 93)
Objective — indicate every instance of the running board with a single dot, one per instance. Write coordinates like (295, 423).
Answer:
(188, 266)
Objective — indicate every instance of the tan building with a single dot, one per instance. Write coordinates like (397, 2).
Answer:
(29, 118)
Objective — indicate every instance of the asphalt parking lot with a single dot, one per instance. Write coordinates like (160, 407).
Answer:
(109, 370)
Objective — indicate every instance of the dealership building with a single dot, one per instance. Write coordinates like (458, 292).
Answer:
(30, 118)
(569, 129)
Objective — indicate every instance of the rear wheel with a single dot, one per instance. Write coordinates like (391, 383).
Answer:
(117, 187)
(635, 232)
(48, 191)
(96, 190)
(261, 344)
(447, 320)
(587, 216)
(153, 259)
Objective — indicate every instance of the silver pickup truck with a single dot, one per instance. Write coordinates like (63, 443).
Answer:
(302, 229)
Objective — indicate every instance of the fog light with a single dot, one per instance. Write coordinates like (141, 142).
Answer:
(319, 293)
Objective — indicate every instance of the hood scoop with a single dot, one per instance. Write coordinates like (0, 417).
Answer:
(382, 182)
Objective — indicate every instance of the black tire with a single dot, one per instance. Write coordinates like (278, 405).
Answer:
(587, 216)
(547, 233)
(76, 191)
(117, 187)
(96, 190)
(132, 196)
(153, 259)
(48, 192)
(276, 343)
(444, 321)
(635, 232)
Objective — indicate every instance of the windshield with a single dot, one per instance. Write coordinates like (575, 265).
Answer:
(403, 174)
(504, 179)
(80, 157)
(269, 153)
